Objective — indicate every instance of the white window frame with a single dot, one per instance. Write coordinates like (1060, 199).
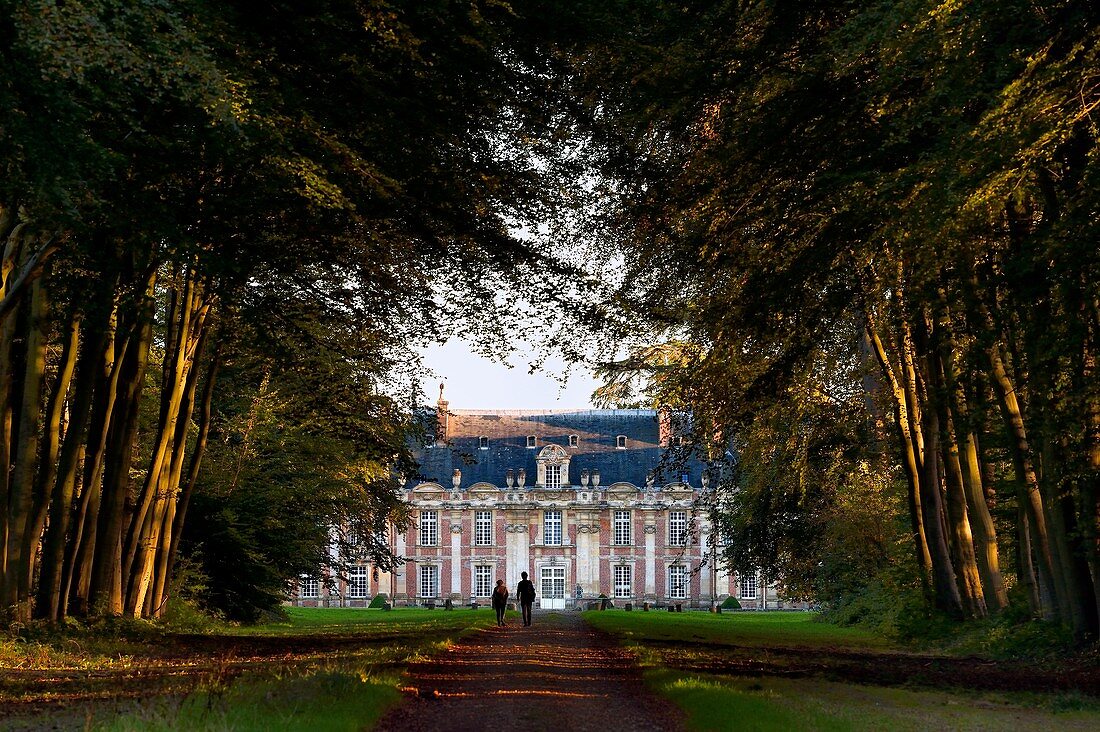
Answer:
(429, 528)
(483, 443)
(553, 476)
(309, 587)
(620, 442)
(551, 527)
(358, 582)
(677, 582)
(677, 528)
(483, 580)
(483, 528)
(746, 583)
(621, 528)
(428, 576)
(623, 580)
(574, 441)
(532, 441)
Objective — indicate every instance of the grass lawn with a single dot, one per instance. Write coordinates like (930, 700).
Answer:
(726, 701)
(363, 622)
(718, 702)
(740, 629)
(321, 669)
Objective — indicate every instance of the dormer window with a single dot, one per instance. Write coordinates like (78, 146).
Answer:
(483, 443)
(620, 442)
(574, 441)
(532, 441)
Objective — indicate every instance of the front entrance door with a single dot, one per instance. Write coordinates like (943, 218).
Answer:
(553, 588)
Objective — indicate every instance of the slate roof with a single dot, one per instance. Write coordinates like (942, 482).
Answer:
(597, 431)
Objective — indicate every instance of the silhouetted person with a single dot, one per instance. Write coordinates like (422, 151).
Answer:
(500, 601)
(526, 591)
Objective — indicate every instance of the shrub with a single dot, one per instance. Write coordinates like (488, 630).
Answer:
(731, 603)
(379, 600)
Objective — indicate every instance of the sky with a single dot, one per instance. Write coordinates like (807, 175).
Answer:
(474, 382)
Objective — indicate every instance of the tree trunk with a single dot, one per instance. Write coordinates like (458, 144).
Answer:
(1026, 480)
(909, 458)
(80, 557)
(44, 496)
(106, 584)
(22, 500)
(50, 604)
(8, 367)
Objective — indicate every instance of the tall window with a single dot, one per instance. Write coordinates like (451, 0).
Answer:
(429, 528)
(620, 442)
(358, 581)
(483, 580)
(483, 528)
(309, 587)
(623, 586)
(483, 443)
(553, 477)
(748, 586)
(574, 440)
(677, 582)
(622, 528)
(677, 528)
(551, 527)
(429, 580)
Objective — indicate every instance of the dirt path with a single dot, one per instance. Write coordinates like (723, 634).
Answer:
(558, 674)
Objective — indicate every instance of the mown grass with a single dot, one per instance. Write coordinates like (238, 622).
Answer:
(345, 686)
(740, 629)
(366, 622)
(714, 702)
(321, 702)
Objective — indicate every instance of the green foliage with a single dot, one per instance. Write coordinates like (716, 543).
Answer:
(731, 603)
(378, 601)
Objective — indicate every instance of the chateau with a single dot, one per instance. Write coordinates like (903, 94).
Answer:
(587, 502)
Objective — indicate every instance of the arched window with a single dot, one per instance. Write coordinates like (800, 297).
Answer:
(574, 441)
(620, 442)
(532, 441)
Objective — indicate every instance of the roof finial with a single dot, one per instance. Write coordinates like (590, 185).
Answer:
(441, 391)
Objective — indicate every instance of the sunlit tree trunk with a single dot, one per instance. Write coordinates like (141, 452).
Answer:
(107, 577)
(910, 462)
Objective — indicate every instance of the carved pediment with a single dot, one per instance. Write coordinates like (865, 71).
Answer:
(623, 488)
(428, 490)
(551, 453)
(483, 488)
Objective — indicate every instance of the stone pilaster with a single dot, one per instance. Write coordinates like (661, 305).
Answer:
(456, 555)
(649, 533)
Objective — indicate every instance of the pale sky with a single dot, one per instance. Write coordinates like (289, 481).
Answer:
(474, 382)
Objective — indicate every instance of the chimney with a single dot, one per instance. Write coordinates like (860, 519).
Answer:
(442, 418)
(664, 426)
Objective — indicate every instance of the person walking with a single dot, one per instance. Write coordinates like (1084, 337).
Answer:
(500, 601)
(526, 591)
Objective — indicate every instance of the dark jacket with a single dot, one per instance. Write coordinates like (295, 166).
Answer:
(500, 597)
(526, 591)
